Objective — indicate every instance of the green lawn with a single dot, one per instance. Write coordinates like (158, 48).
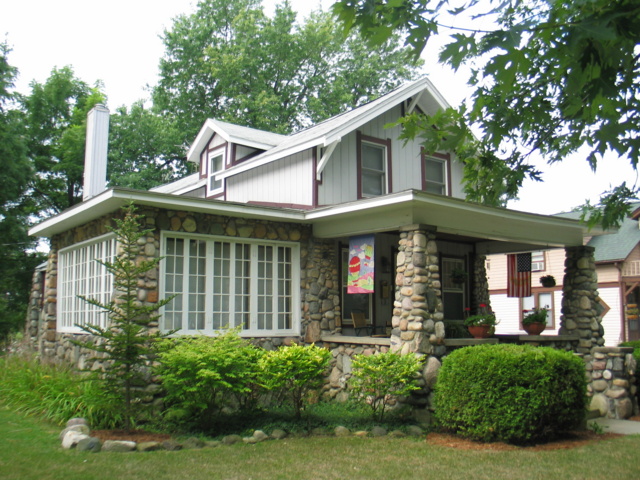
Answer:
(29, 449)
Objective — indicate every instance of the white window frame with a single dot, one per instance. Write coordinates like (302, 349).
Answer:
(176, 316)
(383, 174)
(427, 181)
(214, 190)
(537, 261)
(79, 273)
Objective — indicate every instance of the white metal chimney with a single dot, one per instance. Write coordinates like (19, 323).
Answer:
(95, 156)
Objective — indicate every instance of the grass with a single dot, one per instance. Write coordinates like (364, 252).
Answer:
(30, 449)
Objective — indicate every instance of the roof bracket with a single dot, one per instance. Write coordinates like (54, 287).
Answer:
(414, 102)
(325, 158)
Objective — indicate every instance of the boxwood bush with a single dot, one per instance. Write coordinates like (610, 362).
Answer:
(513, 393)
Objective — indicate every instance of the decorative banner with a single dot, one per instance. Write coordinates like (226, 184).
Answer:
(361, 265)
(519, 275)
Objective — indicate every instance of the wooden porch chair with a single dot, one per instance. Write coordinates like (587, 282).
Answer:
(360, 323)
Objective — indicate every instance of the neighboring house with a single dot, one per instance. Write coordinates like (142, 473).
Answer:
(617, 258)
(259, 236)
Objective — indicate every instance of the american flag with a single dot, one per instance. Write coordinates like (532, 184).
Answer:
(519, 275)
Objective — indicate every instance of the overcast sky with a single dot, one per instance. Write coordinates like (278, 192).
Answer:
(117, 41)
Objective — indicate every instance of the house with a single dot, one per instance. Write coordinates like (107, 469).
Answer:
(617, 259)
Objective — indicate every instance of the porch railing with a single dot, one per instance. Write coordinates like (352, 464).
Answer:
(631, 269)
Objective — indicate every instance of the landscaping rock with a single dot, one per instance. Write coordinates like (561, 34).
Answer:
(77, 421)
(278, 434)
(171, 445)
(319, 431)
(192, 443)
(118, 446)
(148, 446)
(89, 444)
(250, 440)
(361, 433)
(71, 439)
(397, 434)
(79, 428)
(342, 431)
(260, 436)
(378, 432)
(414, 431)
(231, 439)
(212, 443)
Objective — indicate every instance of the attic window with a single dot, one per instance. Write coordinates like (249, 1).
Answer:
(216, 164)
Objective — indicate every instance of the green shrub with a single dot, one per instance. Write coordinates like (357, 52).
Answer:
(379, 379)
(56, 393)
(202, 375)
(512, 393)
(294, 371)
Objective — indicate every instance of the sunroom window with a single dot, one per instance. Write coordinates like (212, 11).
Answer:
(223, 283)
(81, 274)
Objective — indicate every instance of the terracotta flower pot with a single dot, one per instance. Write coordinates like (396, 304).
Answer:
(479, 331)
(535, 328)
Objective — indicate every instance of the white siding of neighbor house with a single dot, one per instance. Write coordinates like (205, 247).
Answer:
(286, 181)
(339, 178)
(507, 310)
(497, 269)
(611, 321)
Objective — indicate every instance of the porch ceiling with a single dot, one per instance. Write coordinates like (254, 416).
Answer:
(493, 230)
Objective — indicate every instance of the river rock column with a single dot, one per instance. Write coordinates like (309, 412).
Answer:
(580, 302)
(417, 314)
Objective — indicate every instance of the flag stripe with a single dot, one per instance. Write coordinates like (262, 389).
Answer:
(519, 275)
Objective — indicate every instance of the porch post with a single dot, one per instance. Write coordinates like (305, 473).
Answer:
(580, 302)
(417, 321)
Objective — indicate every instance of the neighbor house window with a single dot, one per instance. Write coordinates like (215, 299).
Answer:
(81, 274)
(539, 300)
(537, 261)
(216, 164)
(219, 283)
(373, 156)
(435, 172)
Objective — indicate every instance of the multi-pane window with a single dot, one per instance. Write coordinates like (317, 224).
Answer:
(374, 176)
(80, 274)
(539, 300)
(216, 164)
(435, 175)
(221, 283)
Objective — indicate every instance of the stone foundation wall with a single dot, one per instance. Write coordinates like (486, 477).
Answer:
(611, 382)
(319, 290)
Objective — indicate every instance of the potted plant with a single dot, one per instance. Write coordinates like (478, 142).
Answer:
(548, 281)
(458, 276)
(534, 321)
(482, 324)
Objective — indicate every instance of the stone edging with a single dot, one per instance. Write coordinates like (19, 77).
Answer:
(77, 436)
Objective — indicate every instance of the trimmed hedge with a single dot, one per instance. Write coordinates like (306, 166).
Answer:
(511, 393)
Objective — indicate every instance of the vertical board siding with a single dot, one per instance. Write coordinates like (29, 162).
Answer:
(286, 181)
(339, 178)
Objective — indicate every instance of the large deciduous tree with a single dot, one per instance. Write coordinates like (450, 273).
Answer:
(56, 117)
(16, 264)
(549, 76)
(230, 61)
(145, 149)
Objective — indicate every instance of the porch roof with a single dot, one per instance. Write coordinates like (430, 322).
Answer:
(493, 230)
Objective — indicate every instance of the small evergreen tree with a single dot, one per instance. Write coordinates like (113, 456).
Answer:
(127, 341)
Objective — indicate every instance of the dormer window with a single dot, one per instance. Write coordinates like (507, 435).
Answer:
(215, 165)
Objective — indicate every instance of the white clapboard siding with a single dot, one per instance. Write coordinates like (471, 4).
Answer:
(286, 181)
(611, 321)
(497, 269)
(508, 312)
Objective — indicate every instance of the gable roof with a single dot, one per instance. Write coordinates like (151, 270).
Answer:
(333, 129)
(616, 245)
(251, 137)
